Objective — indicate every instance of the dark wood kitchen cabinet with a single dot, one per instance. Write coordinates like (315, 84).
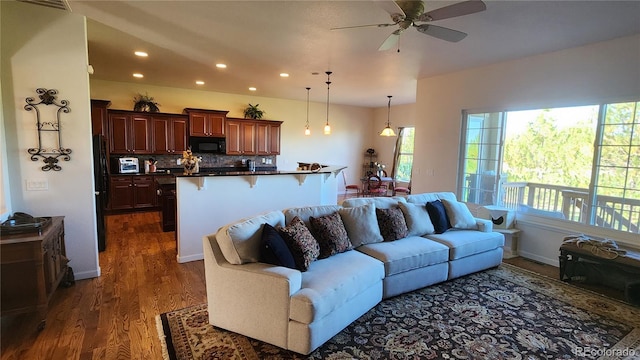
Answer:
(253, 137)
(99, 117)
(206, 123)
(130, 192)
(167, 201)
(129, 132)
(33, 266)
(170, 134)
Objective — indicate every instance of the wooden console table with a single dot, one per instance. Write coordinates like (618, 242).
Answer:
(32, 267)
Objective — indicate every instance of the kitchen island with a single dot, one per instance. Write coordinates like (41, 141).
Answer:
(207, 201)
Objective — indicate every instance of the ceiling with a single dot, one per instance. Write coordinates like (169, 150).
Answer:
(258, 40)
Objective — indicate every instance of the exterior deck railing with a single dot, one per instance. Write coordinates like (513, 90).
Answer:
(572, 204)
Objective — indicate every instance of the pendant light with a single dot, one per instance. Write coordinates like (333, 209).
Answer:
(327, 127)
(388, 131)
(307, 131)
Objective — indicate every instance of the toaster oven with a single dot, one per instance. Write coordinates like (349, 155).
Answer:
(128, 165)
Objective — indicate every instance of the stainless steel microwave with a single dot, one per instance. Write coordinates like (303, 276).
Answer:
(208, 145)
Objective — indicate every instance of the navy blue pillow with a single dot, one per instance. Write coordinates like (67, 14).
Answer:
(274, 250)
(438, 216)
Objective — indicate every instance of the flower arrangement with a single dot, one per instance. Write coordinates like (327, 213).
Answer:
(145, 103)
(190, 162)
(380, 167)
(252, 112)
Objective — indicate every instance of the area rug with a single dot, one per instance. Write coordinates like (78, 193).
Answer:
(501, 313)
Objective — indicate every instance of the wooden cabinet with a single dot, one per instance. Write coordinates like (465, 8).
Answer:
(99, 117)
(132, 192)
(169, 134)
(206, 123)
(253, 137)
(167, 201)
(32, 268)
(129, 133)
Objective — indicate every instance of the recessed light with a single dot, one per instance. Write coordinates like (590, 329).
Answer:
(221, 66)
(252, 89)
(141, 53)
(284, 75)
(137, 75)
(199, 82)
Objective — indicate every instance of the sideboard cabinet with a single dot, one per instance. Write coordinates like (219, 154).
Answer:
(33, 265)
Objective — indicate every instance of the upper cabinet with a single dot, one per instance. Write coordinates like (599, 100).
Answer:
(99, 116)
(169, 134)
(129, 132)
(253, 137)
(206, 123)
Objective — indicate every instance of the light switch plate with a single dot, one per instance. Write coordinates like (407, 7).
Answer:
(37, 184)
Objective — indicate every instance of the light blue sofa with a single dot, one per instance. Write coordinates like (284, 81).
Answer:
(300, 311)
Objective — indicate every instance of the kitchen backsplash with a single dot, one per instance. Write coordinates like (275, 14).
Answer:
(208, 160)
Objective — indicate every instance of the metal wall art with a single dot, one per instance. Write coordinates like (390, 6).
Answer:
(49, 155)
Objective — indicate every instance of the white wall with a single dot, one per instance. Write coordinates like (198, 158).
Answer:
(347, 143)
(49, 51)
(606, 71)
(585, 75)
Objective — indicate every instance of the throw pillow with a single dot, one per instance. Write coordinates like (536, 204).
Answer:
(361, 224)
(438, 216)
(392, 224)
(330, 234)
(274, 250)
(303, 245)
(417, 218)
(459, 215)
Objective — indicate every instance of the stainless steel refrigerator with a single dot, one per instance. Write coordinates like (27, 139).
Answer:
(101, 180)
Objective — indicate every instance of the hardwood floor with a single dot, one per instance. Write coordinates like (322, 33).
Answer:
(113, 316)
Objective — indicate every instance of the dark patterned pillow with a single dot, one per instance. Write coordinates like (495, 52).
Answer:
(303, 245)
(392, 224)
(331, 234)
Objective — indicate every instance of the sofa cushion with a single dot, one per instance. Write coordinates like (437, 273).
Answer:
(381, 202)
(361, 224)
(417, 218)
(274, 249)
(424, 198)
(330, 283)
(304, 213)
(392, 224)
(459, 215)
(438, 216)
(331, 234)
(407, 254)
(463, 243)
(303, 245)
(240, 241)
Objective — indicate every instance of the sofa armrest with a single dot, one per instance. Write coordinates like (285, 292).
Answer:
(484, 225)
(252, 299)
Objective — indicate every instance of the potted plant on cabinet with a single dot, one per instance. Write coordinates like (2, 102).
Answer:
(252, 112)
(145, 103)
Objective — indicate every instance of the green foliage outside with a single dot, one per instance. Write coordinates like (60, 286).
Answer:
(405, 157)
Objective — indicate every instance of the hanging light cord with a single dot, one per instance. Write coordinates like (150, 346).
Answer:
(389, 111)
(308, 107)
(328, 83)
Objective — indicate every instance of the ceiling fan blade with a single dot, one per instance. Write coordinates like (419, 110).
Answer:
(458, 9)
(391, 40)
(361, 26)
(442, 33)
(390, 6)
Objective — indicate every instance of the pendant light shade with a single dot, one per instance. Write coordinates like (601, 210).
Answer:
(307, 131)
(327, 127)
(388, 131)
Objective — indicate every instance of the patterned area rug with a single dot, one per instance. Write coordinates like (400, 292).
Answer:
(502, 313)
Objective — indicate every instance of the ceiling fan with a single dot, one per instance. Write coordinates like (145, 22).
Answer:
(408, 13)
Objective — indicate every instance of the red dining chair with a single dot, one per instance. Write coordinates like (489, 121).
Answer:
(375, 186)
(350, 187)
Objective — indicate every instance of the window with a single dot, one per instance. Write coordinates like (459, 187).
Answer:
(544, 162)
(403, 159)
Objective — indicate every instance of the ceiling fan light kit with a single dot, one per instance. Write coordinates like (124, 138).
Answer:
(388, 131)
(407, 13)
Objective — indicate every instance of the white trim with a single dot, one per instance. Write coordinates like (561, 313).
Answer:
(86, 274)
(193, 257)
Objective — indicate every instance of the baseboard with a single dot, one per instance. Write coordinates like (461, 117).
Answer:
(87, 274)
(194, 257)
(538, 258)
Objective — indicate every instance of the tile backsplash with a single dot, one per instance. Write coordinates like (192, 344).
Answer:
(208, 160)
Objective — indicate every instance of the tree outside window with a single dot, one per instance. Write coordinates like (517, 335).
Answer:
(404, 154)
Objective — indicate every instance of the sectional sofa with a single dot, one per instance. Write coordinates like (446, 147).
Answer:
(301, 310)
